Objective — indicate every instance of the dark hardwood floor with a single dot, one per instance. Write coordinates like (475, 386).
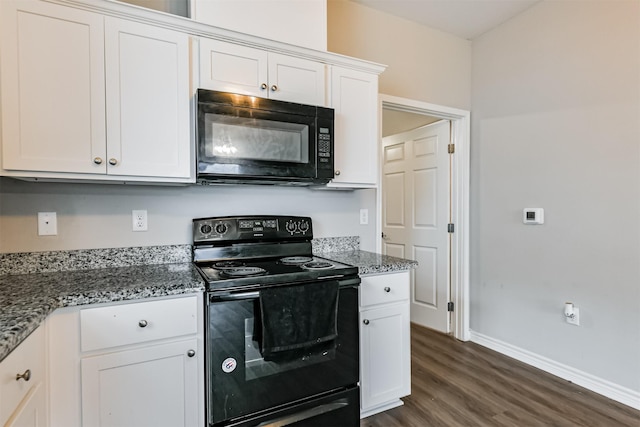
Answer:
(465, 384)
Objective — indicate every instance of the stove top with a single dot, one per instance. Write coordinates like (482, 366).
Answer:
(251, 252)
(257, 273)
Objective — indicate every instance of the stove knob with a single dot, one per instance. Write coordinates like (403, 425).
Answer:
(304, 226)
(221, 228)
(205, 229)
(291, 227)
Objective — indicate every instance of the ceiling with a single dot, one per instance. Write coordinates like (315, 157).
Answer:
(467, 19)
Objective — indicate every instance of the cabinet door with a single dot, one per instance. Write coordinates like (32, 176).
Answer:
(52, 82)
(296, 80)
(385, 359)
(32, 410)
(229, 67)
(148, 100)
(354, 96)
(152, 386)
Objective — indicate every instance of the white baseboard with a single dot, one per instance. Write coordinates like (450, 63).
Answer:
(606, 388)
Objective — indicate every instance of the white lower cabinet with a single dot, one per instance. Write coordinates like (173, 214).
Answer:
(150, 386)
(385, 349)
(131, 364)
(23, 400)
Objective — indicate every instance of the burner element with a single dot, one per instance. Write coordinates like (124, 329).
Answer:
(223, 265)
(295, 260)
(317, 265)
(243, 271)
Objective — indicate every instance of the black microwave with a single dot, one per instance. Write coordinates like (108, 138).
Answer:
(247, 139)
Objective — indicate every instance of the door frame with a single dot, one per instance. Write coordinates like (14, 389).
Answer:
(461, 131)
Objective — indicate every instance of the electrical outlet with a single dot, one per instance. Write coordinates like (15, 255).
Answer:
(47, 224)
(364, 216)
(139, 219)
(575, 319)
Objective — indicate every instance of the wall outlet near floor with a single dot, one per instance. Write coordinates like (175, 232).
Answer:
(139, 219)
(364, 216)
(47, 224)
(575, 318)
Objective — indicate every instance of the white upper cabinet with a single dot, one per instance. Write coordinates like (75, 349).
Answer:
(53, 98)
(230, 67)
(92, 97)
(148, 100)
(354, 97)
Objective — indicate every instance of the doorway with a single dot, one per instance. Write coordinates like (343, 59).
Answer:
(398, 115)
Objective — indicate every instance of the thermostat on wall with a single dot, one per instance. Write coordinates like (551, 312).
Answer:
(533, 216)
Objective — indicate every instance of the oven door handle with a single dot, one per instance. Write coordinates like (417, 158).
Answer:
(305, 415)
(235, 297)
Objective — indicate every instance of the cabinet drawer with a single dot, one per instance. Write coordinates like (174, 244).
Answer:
(384, 288)
(125, 324)
(29, 355)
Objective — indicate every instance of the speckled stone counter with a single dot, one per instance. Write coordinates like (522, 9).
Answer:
(370, 262)
(27, 299)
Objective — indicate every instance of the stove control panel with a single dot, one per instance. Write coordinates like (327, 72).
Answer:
(251, 228)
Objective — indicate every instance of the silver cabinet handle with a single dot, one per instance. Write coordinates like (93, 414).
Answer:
(113, 161)
(97, 160)
(365, 321)
(143, 323)
(263, 86)
(337, 173)
(191, 353)
(274, 88)
(387, 289)
(26, 376)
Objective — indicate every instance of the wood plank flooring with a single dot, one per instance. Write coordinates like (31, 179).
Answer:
(465, 384)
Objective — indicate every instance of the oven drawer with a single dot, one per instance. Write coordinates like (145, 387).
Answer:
(132, 323)
(384, 288)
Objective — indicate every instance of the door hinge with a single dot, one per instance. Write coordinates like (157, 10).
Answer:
(450, 306)
(451, 148)
(450, 228)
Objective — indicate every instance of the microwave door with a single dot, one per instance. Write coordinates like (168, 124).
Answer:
(258, 146)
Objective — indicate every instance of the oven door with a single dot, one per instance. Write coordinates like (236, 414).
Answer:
(241, 384)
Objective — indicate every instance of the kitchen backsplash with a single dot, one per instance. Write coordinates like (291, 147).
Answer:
(335, 244)
(87, 259)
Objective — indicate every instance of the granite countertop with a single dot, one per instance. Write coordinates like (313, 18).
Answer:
(370, 262)
(27, 299)
(32, 285)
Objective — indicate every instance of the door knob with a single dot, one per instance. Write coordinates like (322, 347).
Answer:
(191, 353)
(274, 88)
(143, 323)
(97, 161)
(263, 86)
(113, 162)
(365, 321)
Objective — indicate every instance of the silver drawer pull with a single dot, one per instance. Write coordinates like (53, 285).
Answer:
(387, 289)
(26, 376)
(274, 88)
(263, 86)
(113, 162)
(365, 321)
(191, 353)
(143, 323)
(97, 161)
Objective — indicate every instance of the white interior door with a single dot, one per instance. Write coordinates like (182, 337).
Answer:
(415, 215)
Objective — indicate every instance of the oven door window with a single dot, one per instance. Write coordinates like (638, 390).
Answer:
(241, 382)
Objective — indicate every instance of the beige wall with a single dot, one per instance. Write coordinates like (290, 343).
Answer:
(556, 125)
(423, 63)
